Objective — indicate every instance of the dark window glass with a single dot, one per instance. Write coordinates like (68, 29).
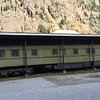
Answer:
(75, 51)
(34, 52)
(87, 50)
(14, 53)
(55, 52)
(2, 53)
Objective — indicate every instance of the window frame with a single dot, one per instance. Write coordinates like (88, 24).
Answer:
(54, 52)
(15, 52)
(3, 54)
(34, 52)
(75, 51)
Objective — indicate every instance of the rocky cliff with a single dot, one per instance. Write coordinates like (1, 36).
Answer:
(50, 15)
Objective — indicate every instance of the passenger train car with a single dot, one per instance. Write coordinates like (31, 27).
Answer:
(23, 53)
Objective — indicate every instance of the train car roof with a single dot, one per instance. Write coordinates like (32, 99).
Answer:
(47, 35)
(6, 38)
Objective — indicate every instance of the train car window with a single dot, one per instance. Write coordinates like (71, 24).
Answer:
(55, 52)
(2, 53)
(34, 52)
(87, 50)
(75, 51)
(15, 53)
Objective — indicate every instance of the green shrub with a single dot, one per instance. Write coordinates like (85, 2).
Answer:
(36, 13)
(98, 17)
(93, 6)
(98, 32)
(36, 6)
(41, 16)
(1, 9)
(85, 13)
(42, 29)
(98, 8)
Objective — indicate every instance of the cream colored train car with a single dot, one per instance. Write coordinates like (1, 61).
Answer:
(23, 53)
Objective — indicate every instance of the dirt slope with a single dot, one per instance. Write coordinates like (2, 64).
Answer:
(50, 15)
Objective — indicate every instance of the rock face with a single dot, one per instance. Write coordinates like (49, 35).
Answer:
(46, 16)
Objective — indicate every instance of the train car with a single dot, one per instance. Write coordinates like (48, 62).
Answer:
(23, 53)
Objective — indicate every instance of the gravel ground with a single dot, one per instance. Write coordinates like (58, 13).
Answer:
(84, 87)
(74, 79)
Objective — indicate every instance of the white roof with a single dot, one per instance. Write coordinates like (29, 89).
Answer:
(49, 35)
(66, 31)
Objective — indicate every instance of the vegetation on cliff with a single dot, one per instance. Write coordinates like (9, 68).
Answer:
(49, 15)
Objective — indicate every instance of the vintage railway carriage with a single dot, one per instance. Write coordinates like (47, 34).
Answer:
(23, 52)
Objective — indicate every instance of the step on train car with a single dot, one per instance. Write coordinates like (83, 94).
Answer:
(23, 53)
